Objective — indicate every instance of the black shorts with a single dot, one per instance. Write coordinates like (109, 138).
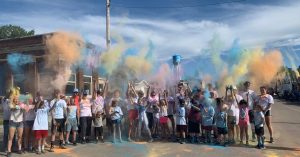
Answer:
(223, 131)
(251, 116)
(28, 124)
(181, 128)
(268, 113)
(259, 131)
(116, 121)
(60, 125)
(170, 116)
(194, 127)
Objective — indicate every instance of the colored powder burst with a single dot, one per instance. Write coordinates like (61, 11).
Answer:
(112, 58)
(162, 77)
(139, 64)
(215, 49)
(263, 69)
(63, 50)
(16, 61)
(293, 64)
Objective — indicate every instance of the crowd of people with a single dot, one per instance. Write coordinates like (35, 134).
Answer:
(197, 115)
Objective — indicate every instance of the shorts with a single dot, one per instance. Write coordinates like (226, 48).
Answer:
(38, 134)
(13, 124)
(243, 123)
(133, 114)
(231, 120)
(163, 120)
(28, 124)
(251, 116)
(222, 131)
(72, 125)
(268, 113)
(259, 131)
(194, 127)
(116, 121)
(181, 128)
(207, 128)
(170, 116)
(60, 125)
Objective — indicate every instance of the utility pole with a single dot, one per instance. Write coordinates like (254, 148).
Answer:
(108, 24)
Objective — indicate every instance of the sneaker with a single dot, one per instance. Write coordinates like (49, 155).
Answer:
(241, 142)
(38, 153)
(130, 140)
(102, 140)
(271, 140)
(43, 151)
(247, 143)
(67, 142)
(151, 140)
(62, 147)
(8, 154)
(51, 149)
(19, 152)
(74, 144)
(225, 144)
(83, 141)
(121, 141)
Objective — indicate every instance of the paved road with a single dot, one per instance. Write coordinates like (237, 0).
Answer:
(286, 123)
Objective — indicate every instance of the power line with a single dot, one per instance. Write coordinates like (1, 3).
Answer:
(182, 6)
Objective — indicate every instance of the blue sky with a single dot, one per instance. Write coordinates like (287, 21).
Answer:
(173, 26)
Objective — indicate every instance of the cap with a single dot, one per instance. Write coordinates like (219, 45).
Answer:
(75, 90)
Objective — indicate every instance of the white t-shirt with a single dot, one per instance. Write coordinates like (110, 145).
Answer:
(16, 115)
(41, 119)
(118, 113)
(163, 111)
(85, 108)
(265, 100)
(251, 96)
(58, 112)
(132, 106)
(237, 112)
(152, 101)
(180, 120)
(98, 105)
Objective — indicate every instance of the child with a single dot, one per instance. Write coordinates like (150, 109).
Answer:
(208, 113)
(259, 120)
(181, 121)
(29, 117)
(244, 121)
(231, 117)
(142, 118)
(194, 119)
(98, 124)
(163, 119)
(40, 125)
(221, 121)
(72, 119)
(132, 110)
(116, 114)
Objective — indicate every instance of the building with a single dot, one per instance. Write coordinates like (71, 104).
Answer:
(34, 76)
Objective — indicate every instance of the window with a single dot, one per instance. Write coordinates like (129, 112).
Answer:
(87, 84)
(71, 85)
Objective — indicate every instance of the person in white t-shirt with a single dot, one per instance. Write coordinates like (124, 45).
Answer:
(132, 98)
(58, 119)
(115, 113)
(250, 96)
(232, 114)
(16, 123)
(266, 101)
(237, 99)
(85, 118)
(40, 125)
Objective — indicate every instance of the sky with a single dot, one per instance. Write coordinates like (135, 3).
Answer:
(182, 27)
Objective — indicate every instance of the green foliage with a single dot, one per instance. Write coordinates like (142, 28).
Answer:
(12, 31)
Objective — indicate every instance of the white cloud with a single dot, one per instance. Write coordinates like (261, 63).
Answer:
(258, 26)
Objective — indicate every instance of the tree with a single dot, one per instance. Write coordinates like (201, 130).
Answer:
(12, 31)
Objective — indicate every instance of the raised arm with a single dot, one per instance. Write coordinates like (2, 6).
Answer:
(105, 89)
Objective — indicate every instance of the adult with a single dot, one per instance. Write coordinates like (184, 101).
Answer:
(237, 99)
(171, 111)
(266, 101)
(152, 101)
(250, 96)
(29, 117)
(85, 118)
(58, 119)
(6, 117)
(132, 98)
